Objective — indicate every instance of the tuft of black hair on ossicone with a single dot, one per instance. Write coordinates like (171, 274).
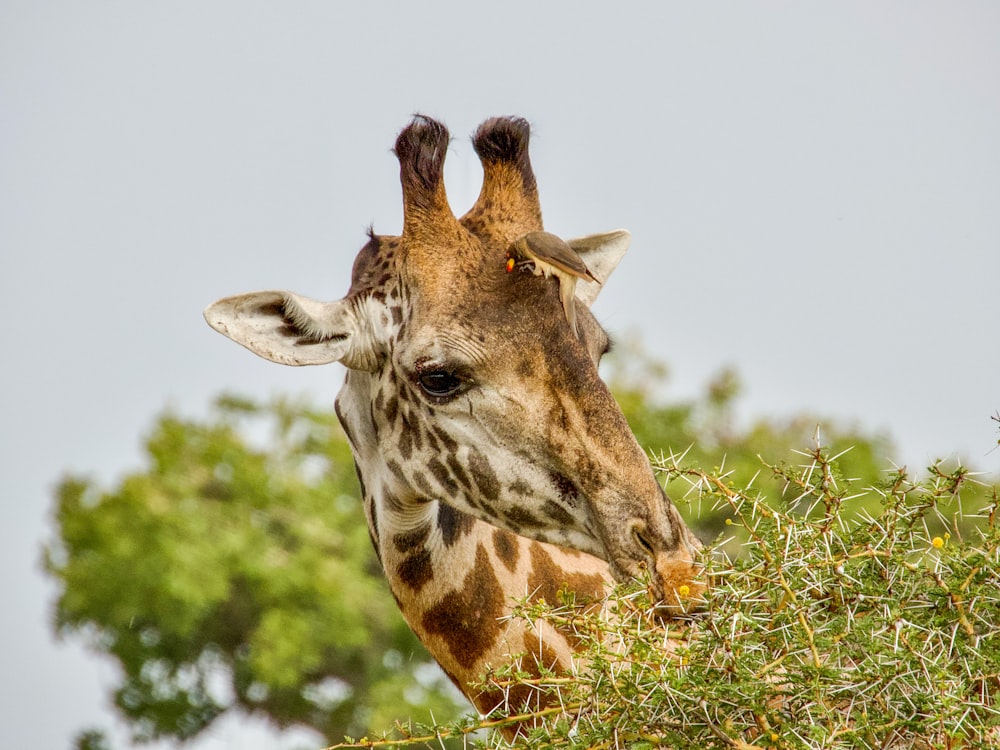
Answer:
(421, 148)
(505, 139)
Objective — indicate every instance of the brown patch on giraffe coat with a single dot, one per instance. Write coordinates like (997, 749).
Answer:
(422, 484)
(408, 541)
(466, 619)
(405, 444)
(557, 513)
(391, 409)
(417, 430)
(520, 487)
(457, 471)
(483, 474)
(558, 416)
(506, 546)
(432, 442)
(415, 570)
(396, 470)
(568, 491)
(450, 444)
(542, 655)
(547, 579)
(443, 476)
(522, 517)
(454, 524)
(411, 429)
(475, 226)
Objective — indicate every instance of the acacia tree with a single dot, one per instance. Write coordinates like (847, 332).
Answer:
(834, 629)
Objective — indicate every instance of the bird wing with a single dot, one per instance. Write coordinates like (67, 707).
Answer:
(547, 248)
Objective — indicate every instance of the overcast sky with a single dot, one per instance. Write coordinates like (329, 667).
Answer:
(813, 191)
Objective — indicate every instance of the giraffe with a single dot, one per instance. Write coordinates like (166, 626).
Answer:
(494, 463)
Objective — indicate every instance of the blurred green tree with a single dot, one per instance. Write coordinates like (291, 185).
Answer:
(704, 430)
(235, 572)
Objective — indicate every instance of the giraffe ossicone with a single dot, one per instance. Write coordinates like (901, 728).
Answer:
(494, 462)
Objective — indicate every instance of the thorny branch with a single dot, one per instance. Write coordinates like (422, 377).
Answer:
(858, 622)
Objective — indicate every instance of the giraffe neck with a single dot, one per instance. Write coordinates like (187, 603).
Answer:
(457, 579)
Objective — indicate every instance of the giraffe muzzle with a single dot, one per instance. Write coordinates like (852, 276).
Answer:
(678, 583)
(666, 556)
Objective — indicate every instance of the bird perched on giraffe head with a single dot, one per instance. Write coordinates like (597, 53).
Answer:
(552, 256)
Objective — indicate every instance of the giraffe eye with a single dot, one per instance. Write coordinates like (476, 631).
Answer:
(440, 384)
(642, 539)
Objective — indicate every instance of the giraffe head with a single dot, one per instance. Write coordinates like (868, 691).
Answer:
(474, 388)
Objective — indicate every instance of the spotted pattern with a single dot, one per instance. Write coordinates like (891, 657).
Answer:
(420, 463)
(506, 546)
(557, 513)
(440, 472)
(547, 579)
(521, 698)
(467, 619)
(483, 475)
(411, 541)
(454, 524)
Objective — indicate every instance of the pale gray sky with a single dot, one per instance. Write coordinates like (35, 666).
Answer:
(813, 192)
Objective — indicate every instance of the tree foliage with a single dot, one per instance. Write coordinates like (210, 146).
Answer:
(704, 431)
(835, 629)
(233, 572)
(226, 576)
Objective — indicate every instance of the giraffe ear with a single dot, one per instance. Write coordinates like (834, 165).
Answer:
(601, 253)
(293, 330)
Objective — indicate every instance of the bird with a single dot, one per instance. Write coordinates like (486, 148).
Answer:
(552, 256)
